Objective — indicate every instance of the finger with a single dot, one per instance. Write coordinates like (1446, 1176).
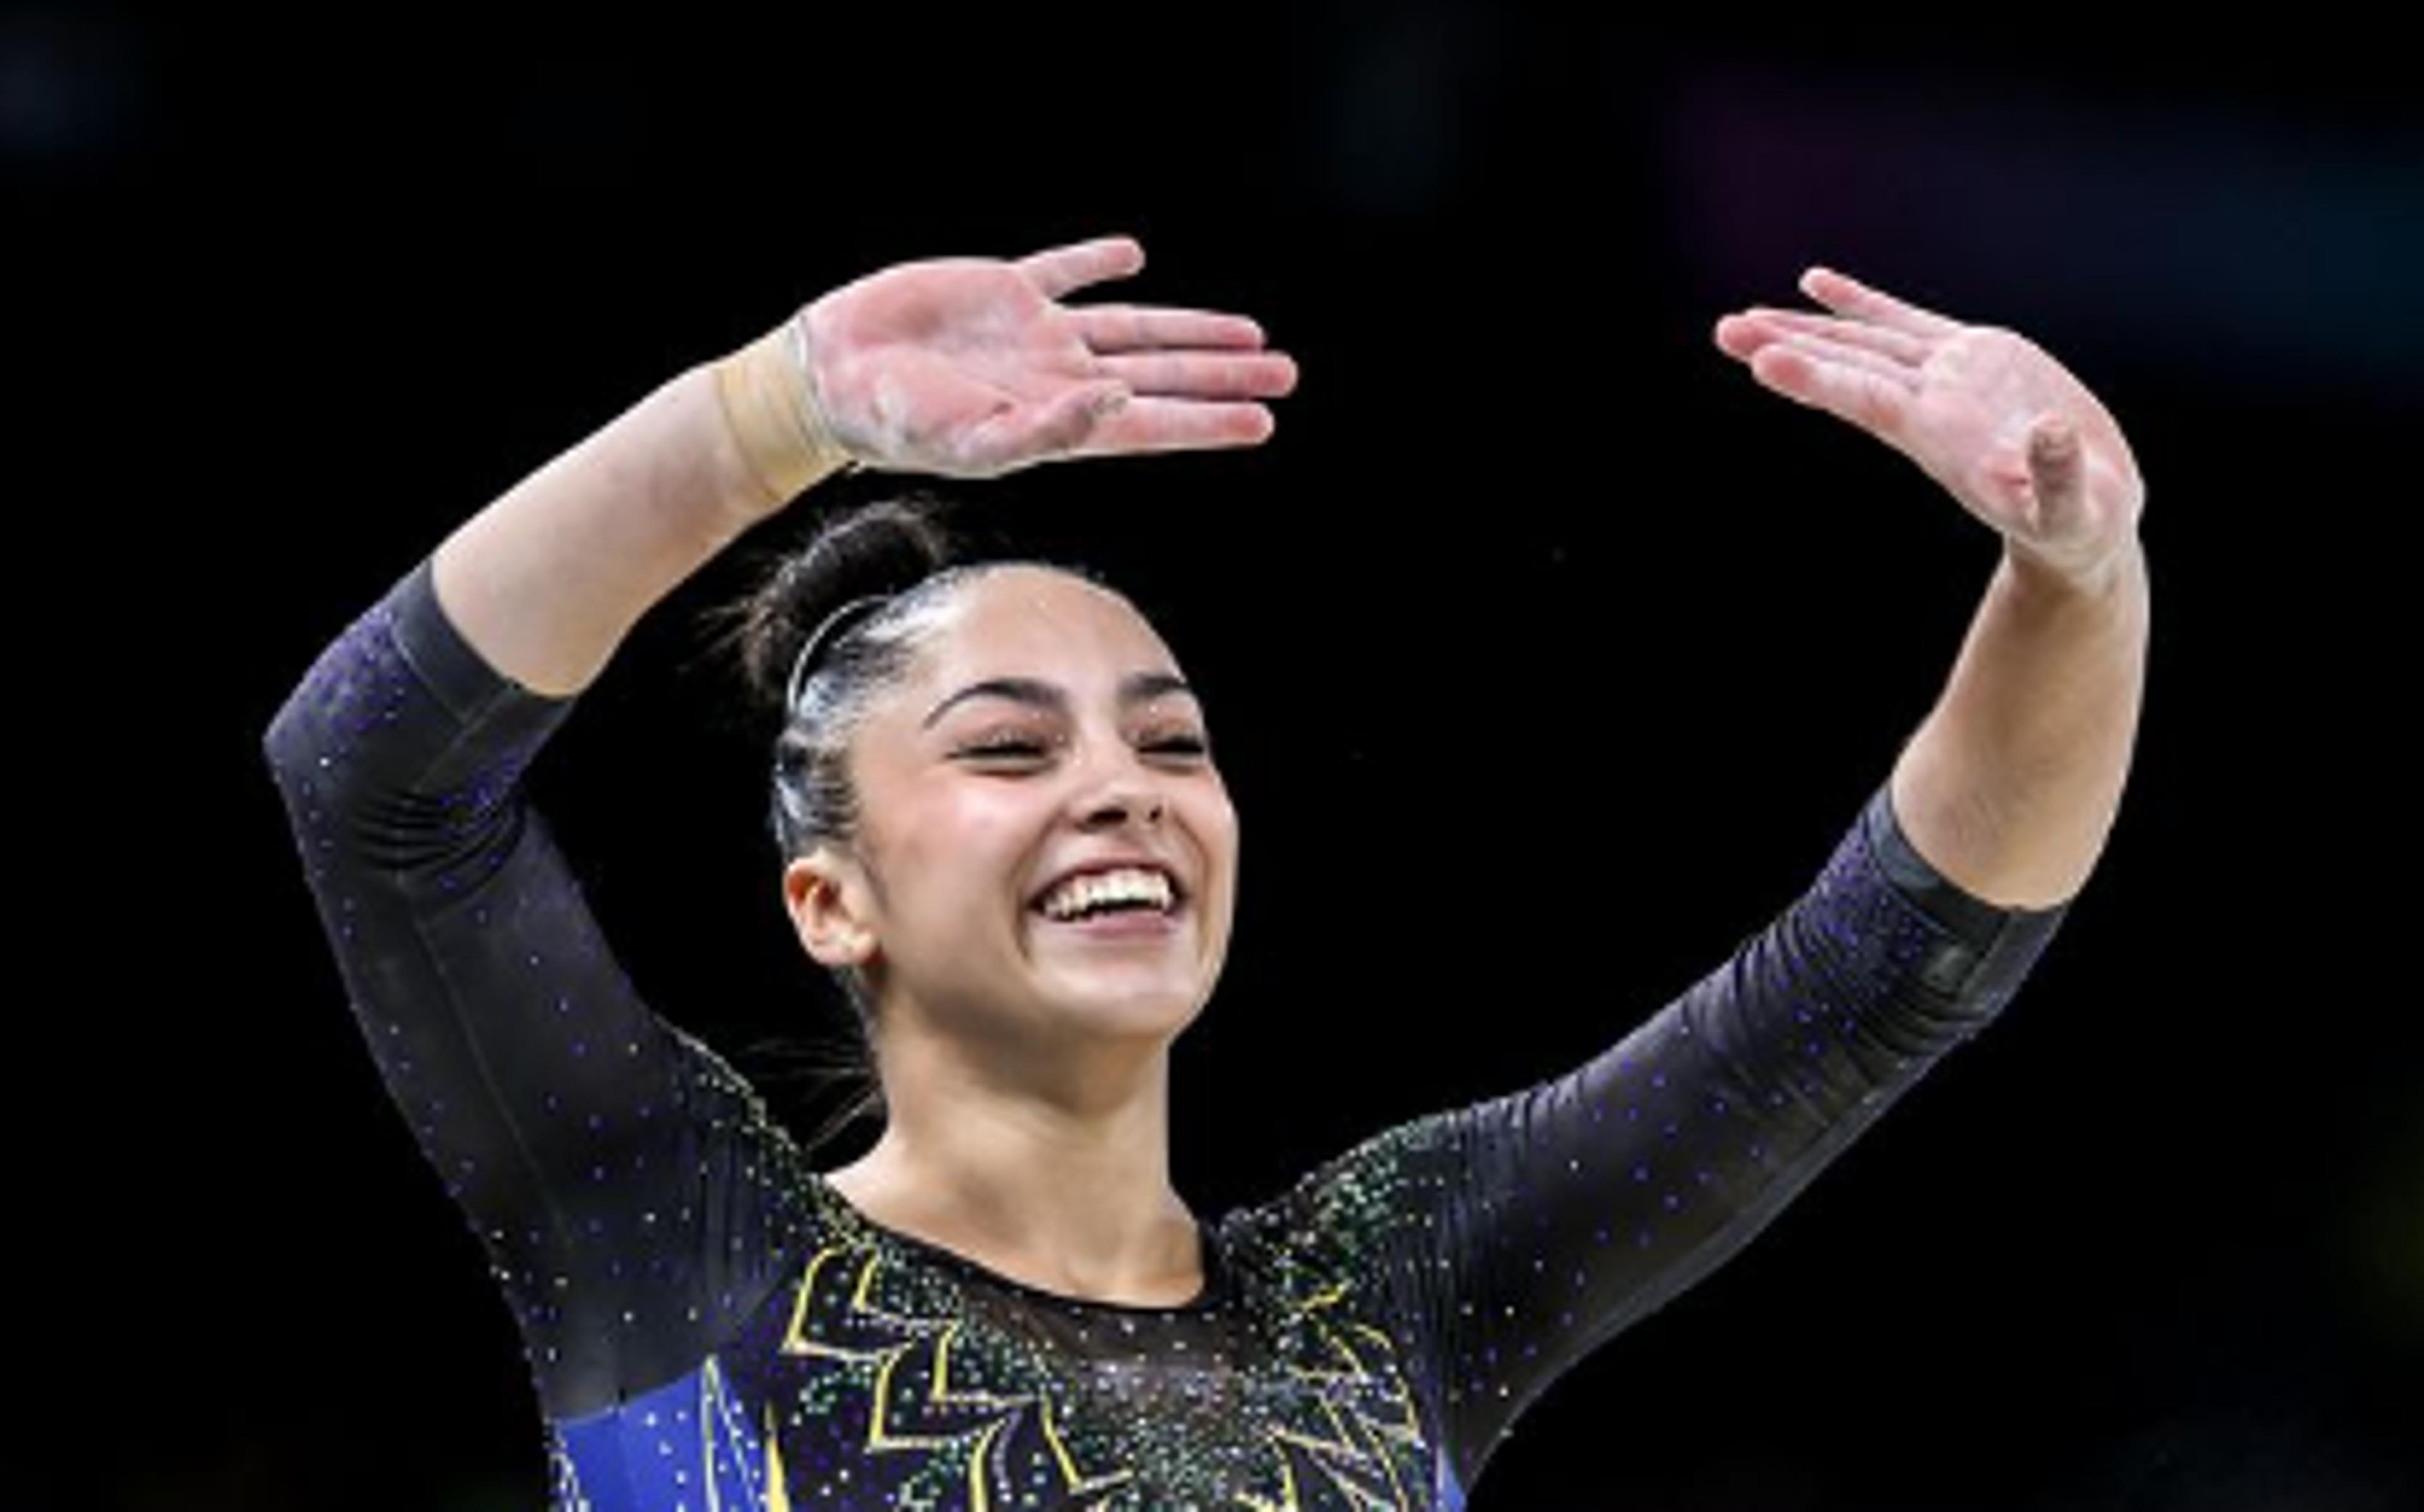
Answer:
(1177, 426)
(1196, 375)
(1746, 341)
(1760, 320)
(1852, 393)
(1058, 270)
(1849, 297)
(1126, 327)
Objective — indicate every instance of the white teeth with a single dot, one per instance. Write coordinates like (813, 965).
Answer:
(1125, 885)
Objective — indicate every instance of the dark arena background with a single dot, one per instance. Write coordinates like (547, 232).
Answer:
(1548, 654)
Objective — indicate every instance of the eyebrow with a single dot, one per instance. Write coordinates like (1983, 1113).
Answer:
(1136, 688)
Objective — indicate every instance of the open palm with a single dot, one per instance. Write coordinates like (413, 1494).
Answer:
(2006, 429)
(970, 367)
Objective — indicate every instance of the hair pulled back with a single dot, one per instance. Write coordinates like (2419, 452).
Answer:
(865, 584)
(862, 585)
(859, 596)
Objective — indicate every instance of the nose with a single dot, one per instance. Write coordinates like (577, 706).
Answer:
(1121, 790)
(1119, 803)
(1113, 811)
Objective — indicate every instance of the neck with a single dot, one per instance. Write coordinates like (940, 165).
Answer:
(1065, 1188)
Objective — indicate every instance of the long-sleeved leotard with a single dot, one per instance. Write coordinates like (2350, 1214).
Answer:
(708, 1324)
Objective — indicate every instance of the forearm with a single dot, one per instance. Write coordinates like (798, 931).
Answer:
(2012, 783)
(546, 581)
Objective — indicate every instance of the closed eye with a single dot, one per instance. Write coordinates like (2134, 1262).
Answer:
(1020, 750)
(1024, 750)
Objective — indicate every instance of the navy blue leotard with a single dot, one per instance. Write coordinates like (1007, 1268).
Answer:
(710, 1325)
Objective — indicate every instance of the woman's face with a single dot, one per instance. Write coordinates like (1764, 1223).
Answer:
(1043, 730)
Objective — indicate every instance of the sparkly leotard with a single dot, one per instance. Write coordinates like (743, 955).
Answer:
(710, 1325)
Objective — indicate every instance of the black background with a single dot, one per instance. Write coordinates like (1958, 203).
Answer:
(1547, 653)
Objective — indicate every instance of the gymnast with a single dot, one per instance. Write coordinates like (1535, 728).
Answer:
(1003, 833)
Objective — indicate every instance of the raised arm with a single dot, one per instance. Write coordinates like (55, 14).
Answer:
(1580, 1204)
(1510, 1237)
(602, 1158)
(2014, 780)
(624, 1182)
(962, 367)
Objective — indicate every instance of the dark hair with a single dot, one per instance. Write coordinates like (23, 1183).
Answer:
(865, 585)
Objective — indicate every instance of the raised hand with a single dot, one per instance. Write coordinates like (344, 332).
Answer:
(970, 367)
(2022, 444)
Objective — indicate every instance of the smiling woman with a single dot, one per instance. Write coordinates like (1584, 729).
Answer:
(941, 715)
(1000, 823)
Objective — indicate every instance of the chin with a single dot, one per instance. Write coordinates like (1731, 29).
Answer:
(1161, 1014)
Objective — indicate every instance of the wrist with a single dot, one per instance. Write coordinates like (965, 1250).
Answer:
(784, 442)
(2100, 579)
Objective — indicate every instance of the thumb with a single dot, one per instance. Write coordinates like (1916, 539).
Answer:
(2056, 472)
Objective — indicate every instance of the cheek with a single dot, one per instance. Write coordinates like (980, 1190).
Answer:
(1215, 821)
(968, 851)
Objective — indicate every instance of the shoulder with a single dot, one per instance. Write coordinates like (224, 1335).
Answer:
(1360, 1203)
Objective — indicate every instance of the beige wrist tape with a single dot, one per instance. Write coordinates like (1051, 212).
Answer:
(764, 389)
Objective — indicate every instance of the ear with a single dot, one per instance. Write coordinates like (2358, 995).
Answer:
(826, 893)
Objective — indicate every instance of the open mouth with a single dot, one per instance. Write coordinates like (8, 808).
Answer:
(1122, 921)
(1119, 900)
